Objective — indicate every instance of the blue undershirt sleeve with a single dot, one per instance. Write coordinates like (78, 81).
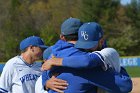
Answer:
(45, 77)
(83, 61)
(123, 81)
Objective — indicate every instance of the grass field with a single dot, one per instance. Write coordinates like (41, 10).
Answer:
(133, 71)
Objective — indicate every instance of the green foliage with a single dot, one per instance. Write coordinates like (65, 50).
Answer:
(49, 35)
(133, 13)
(120, 26)
(22, 18)
(99, 10)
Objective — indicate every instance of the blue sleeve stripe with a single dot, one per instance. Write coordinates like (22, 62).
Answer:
(100, 55)
(3, 90)
(102, 58)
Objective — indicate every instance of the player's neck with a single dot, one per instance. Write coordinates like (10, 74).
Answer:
(73, 42)
(27, 58)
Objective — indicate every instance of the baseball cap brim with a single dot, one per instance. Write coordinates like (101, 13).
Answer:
(86, 45)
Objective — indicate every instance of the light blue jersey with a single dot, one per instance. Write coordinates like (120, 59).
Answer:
(19, 77)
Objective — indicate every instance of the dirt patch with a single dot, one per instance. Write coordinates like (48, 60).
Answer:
(136, 85)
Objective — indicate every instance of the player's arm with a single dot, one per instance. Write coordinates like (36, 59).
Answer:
(123, 80)
(88, 60)
(118, 80)
(53, 83)
(113, 82)
(6, 78)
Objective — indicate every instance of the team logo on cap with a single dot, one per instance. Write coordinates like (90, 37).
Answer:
(84, 35)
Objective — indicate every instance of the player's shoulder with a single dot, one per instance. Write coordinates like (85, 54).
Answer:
(109, 49)
(12, 61)
(110, 52)
(10, 64)
(38, 64)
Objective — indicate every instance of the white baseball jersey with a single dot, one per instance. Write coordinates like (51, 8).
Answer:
(39, 87)
(19, 77)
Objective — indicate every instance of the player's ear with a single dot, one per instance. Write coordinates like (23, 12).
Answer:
(62, 37)
(31, 48)
(101, 41)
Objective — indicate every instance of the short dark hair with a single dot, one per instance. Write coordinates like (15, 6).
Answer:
(71, 37)
(22, 51)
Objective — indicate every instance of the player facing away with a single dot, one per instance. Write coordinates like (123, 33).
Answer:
(87, 80)
(21, 72)
(53, 80)
(69, 30)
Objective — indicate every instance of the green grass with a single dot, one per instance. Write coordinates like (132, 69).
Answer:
(133, 71)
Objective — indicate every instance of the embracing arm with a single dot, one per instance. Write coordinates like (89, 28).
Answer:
(124, 81)
(88, 60)
(112, 81)
(53, 83)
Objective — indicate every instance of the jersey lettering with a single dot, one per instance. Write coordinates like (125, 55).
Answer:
(28, 77)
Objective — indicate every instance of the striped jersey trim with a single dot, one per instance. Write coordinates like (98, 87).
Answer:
(3, 90)
(102, 58)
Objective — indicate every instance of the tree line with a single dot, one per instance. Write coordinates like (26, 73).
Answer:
(22, 18)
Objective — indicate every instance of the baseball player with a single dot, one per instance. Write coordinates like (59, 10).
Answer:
(38, 86)
(21, 72)
(110, 56)
(77, 79)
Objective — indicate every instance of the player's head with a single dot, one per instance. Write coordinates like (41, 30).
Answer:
(89, 36)
(69, 29)
(47, 52)
(33, 46)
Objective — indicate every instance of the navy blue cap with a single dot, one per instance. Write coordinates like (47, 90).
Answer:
(32, 40)
(88, 36)
(70, 26)
(47, 53)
